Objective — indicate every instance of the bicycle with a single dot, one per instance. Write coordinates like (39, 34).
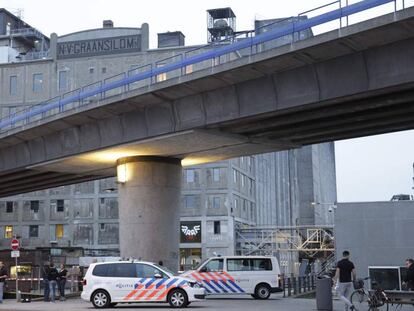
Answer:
(363, 299)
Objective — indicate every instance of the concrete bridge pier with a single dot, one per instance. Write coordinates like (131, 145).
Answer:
(149, 203)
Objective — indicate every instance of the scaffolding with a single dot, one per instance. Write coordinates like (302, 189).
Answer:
(290, 245)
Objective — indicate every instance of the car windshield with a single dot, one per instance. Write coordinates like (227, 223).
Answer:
(165, 269)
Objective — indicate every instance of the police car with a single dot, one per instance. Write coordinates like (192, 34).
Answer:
(107, 284)
(258, 276)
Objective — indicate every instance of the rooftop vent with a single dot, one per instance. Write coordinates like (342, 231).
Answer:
(108, 23)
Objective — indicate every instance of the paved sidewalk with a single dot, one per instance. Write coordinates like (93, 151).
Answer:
(240, 303)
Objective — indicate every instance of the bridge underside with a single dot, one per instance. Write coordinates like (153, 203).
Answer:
(355, 82)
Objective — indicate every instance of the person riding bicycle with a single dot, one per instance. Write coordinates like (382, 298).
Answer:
(409, 278)
(345, 274)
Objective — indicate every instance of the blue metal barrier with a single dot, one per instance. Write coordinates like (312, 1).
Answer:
(294, 27)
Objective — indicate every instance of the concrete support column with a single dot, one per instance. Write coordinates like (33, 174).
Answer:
(149, 204)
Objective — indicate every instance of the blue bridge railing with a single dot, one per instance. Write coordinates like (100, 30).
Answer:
(248, 43)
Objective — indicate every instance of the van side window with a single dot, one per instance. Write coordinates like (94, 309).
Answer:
(122, 270)
(259, 264)
(214, 265)
(100, 270)
(238, 265)
(263, 264)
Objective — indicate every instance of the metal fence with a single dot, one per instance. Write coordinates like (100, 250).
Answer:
(298, 285)
(241, 45)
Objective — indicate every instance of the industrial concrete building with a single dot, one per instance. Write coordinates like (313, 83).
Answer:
(376, 233)
(274, 189)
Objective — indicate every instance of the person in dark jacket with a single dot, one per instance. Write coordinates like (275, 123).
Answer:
(46, 282)
(409, 278)
(52, 277)
(3, 277)
(62, 281)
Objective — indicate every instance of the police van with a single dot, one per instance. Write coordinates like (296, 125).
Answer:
(255, 275)
(107, 284)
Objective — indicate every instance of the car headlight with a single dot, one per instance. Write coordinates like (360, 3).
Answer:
(194, 285)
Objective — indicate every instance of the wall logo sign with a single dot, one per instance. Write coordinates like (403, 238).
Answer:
(190, 232)
(96, 47)
(187, 231)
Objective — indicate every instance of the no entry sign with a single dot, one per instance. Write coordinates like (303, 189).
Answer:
(15, 244)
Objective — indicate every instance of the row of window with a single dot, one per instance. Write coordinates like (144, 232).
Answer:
(192, 201)
(63, 80)
(108, 207)
(127, 270)
(259, 264)
(58, 230)
(190, 175)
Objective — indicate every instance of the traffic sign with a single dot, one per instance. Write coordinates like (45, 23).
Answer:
(15, 244)
(15, 254)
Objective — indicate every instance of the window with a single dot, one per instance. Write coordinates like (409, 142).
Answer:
(13, 86)
(102, 227)
(217, 227)
(59, 231)
(234, 176)
(121, 270)
(37, 82)
(60, 206)
(216, 202)
(214, 265)
(189, 201)
(34, 206)
(103, 69)
(189, 176)
(216, 174)
(162, 76)
(259, 264)
(238, 265)
(188, 69)
(242, 180)
(9, 207)
(91, 69)
(147, 271)
(8, 232)
(33, 231)
(235, 203)
(100, 270)
(63, 80)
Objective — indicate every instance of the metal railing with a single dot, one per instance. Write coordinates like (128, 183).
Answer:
(190, 61)
(298, 285)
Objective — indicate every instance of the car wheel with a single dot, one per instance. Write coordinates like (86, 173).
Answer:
(101, 299)
(177, 298)
(262, 291)
(254, 296)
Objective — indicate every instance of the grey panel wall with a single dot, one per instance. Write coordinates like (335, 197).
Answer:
(376, 233)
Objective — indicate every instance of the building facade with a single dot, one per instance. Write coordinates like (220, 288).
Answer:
(274, 189)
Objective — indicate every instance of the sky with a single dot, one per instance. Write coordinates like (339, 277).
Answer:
(368, 169)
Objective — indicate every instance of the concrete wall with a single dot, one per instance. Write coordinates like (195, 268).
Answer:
(376, 233)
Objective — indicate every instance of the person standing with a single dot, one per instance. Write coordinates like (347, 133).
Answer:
(62, 281)
(345, 274)
(409, 278)
(3, 277)
(52, 277)
(46, 282)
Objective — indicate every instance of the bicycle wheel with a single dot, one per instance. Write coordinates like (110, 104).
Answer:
(378, 302)
(360, 300)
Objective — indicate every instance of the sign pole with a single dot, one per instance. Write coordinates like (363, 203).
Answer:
(17, 282)
(15, 246)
